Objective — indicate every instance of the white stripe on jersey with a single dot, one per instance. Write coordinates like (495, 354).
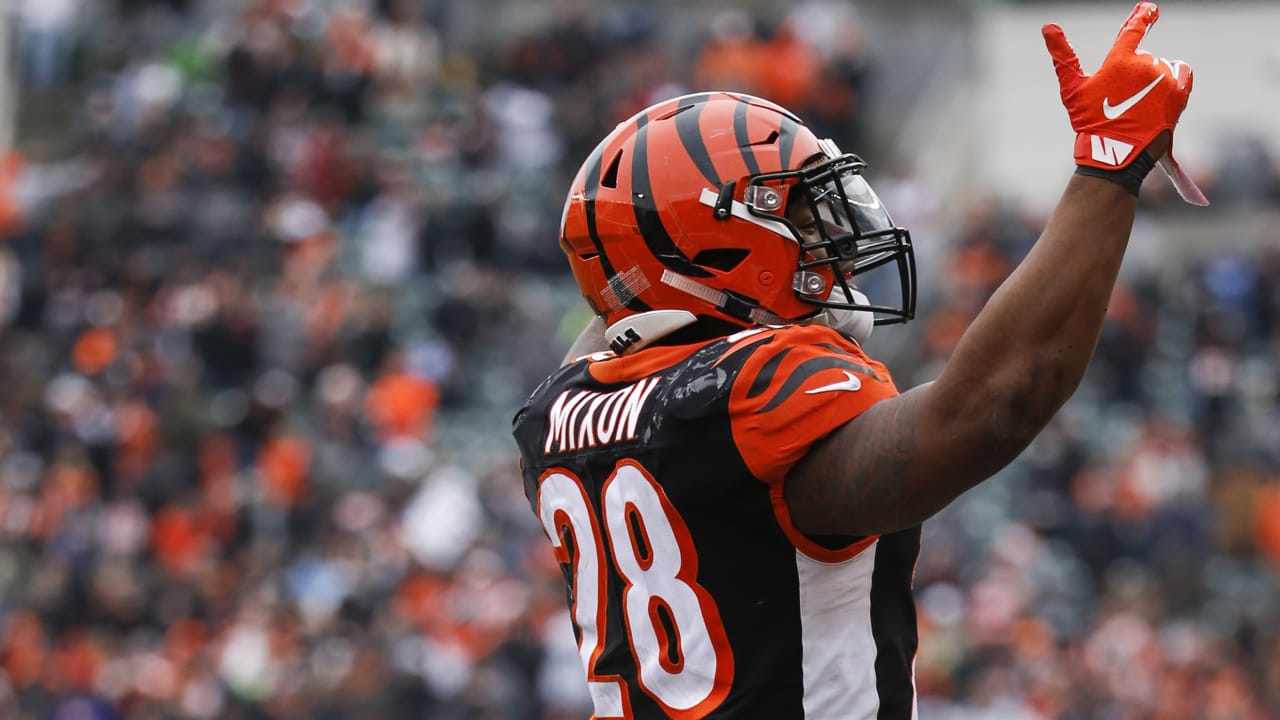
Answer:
(839, 649)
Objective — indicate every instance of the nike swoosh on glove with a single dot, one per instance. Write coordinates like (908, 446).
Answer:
(1134, 96)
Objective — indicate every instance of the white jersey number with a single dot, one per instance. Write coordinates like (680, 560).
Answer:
(682, 653)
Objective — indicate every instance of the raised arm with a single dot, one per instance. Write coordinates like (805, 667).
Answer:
(904, 459)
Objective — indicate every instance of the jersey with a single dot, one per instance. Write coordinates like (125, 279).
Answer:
(658, 478)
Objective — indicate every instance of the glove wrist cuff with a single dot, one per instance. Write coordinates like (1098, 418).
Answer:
(1129, 177)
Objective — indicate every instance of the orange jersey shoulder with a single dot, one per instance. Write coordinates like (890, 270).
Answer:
(795, 390)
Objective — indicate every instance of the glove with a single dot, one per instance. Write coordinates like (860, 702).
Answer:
(1120, 109)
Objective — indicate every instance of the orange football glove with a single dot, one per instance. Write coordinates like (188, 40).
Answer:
(1134, 96)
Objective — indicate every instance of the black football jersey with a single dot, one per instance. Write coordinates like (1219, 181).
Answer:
(657, 476)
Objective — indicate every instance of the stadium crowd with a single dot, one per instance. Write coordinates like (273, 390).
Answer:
(263, 322)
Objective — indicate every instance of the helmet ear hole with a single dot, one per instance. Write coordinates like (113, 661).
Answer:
(722, 259)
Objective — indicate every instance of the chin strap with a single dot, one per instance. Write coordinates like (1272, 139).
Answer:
(857, 324)
(729, 303)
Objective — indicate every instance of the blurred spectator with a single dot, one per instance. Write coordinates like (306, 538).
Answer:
(46, 42)
(731, 57)
(400, 403)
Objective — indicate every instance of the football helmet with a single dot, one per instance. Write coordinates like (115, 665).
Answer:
(689, 211)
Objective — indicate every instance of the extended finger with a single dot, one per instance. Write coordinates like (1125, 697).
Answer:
(1064, 57)
(1135, 28)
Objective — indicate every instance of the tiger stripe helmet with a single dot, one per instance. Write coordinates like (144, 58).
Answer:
(686, 212)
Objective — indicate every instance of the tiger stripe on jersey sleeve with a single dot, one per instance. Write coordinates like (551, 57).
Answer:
(797, 389)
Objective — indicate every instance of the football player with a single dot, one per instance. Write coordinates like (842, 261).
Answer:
(733, 487)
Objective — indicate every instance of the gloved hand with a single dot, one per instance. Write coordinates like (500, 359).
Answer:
(1119, 110)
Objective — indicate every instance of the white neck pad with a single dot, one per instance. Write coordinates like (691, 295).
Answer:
(636, 331)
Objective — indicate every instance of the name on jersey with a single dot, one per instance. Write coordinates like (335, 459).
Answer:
(585, 419)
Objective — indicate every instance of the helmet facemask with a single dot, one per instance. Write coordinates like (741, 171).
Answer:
(847, 233)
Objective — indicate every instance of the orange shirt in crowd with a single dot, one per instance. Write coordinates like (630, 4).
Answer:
(401, 404)
(11, 165)
(284, 464)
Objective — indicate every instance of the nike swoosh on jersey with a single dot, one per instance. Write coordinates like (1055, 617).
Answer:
(852, 384)
(1114, 111)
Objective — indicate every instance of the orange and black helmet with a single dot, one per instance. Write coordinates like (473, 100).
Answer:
(686, 211)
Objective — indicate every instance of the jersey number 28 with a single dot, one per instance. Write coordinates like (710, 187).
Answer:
(687, 667)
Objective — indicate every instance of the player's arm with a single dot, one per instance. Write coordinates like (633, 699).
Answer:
(590, 340)
(905, 458)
